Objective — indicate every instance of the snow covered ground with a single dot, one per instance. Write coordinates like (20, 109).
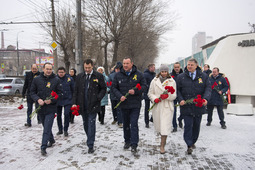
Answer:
(232, 148)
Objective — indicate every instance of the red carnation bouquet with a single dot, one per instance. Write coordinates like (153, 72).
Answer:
(109, 84)
(138, 86)
(53, 94)
(197, 101)
(163, 96)
(21, 105)
(217, 88)
(75, 110)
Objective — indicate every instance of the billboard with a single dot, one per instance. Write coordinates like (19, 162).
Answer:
(44, 59)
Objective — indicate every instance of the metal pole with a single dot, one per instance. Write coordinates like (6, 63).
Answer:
(18, 52)
(55, 55)
(78, 40)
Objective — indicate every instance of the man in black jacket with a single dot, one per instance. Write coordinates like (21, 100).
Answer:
(216, 98)
(89, 90)
(149, 74)
(175, 72)
(191, 83)
(124, 82)
(26, 91)
(41, 89)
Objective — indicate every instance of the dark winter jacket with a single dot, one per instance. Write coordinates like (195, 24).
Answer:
(67, 84)
(42, 87)
(122, 83)
(188, 89)
(175, 75)
(148, 77)
(28, 81)
(111, 78)
(208, 72)
(96, 91)
(216, 98)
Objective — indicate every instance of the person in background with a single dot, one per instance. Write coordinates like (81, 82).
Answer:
(117, 115)
(104, 101)
(207, 69)
(216, 97)
(72, 73)
(149, 74)
(89, 90)
(124, 82)
(175, 72)
(163, 110)
(191, 83)
(26, 91)
(41, 88)
(65, 100)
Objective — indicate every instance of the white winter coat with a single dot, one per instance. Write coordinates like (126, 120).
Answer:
(163, 111)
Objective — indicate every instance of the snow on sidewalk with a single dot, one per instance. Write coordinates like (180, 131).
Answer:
(232, 148)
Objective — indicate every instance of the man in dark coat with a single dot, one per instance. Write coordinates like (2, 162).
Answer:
(175, 72)
(65, 100)
(89, 90)
(207, 70)
(216, 97)
(41, 89)
(149, 74)
(191, 83)
(124, 82)
(72, 73)
(117, 115)
(26, 91)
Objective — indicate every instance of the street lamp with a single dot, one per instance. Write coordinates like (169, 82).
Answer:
(18, 51)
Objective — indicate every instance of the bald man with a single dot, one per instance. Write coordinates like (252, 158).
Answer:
(26, 92)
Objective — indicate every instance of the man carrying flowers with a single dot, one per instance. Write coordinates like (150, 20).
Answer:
(41, 88)
(190, 84)
(124, 82)
(219, 86)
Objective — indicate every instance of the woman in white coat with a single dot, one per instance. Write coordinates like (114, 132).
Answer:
(162, 112)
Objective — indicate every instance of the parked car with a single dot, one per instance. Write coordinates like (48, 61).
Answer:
(2, 76)
(11, 86)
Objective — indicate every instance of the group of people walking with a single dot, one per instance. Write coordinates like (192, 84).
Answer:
(127, 87)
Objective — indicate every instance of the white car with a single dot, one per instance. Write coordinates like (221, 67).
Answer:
(11, 86)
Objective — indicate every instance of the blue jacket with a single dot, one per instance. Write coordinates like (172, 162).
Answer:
(148, 77)
(216, 98)
(122, 83)
(188, 89)
(67, 84)
(42, 87)
(111, 78)
(104, 101)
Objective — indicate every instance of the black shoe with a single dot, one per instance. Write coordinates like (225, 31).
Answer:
(50, 143)
(147, 125)
(208, 124)
(28, 125)
(71, 121)
(59, 133)
(151, 119)
(133, 149)
(66, 133)
(189, 151)
(43, 152)
(175, 130)
(91, 150)
(193, 146)
(180, 124)
(223, 126)
(127, 145)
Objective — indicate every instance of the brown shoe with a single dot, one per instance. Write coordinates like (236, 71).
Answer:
(193, 146)
(114, 122)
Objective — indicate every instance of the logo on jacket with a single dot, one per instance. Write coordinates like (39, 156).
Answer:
(219, 83)
(200, 80)
(48, 85)
(95, 80)
(68, 79)
(135, 77)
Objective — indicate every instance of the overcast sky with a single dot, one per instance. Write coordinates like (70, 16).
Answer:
(215, 17)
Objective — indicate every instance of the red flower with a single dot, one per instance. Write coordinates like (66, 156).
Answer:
(20, 107)
(170, 89)
(55, 115)
(56, 97)
(53, 93)
(164, 96)
(172, 76)
(199, 101)
(138, 86)
(75, 110)
(109, 84)
(157, 100)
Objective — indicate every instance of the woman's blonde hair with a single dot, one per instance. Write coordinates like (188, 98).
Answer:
(168, 75)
